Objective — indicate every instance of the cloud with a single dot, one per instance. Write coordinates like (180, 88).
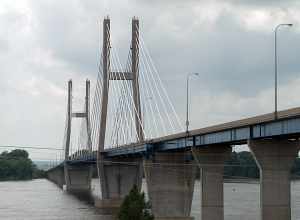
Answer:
(230, 43)
(269, 3)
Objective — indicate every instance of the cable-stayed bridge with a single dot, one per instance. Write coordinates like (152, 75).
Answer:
(131, 130)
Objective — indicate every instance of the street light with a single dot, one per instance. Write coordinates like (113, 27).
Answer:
(276, 64)
(187, 99)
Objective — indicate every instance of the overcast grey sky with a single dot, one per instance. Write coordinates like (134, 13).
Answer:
(230, 43)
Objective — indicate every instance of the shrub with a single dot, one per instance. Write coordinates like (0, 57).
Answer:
(134, 207)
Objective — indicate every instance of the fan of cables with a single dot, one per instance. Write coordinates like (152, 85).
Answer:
(158, 116)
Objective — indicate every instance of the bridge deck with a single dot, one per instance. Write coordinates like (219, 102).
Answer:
(235, 132)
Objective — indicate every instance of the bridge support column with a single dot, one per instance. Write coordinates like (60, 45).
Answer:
(78, 179)
(56, 176)
(170, 182)
(118, 178)
(211, 162)
(275, 159)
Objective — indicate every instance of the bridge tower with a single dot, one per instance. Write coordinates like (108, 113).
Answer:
(118, 177)
(78, 176)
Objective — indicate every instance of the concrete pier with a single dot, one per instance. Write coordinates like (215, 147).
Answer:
(275, 159)
(57, 176)
(118, 178)
(170, 182)
(78, 179)
(211, 162)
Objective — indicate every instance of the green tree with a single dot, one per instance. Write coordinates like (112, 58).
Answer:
(17, 154)
(16, 165)
(241, 164)
(134, 207)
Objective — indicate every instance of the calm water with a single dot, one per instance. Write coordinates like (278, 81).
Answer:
(41, 199)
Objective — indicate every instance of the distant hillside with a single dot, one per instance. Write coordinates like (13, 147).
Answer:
(42, 165)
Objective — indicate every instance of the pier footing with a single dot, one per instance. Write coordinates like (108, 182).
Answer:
(108, 206)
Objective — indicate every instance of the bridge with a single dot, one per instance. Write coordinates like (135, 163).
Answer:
(132, 131)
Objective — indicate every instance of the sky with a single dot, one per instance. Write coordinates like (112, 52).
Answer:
(230, 43)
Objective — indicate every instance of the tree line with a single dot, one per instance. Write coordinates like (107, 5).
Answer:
(16, 165)
(242, 164)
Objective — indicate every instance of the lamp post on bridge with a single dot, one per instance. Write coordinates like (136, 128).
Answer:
(187, 123)
(276, 64)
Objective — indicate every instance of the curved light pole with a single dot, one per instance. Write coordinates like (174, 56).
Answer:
(276, 64)
(187, 123)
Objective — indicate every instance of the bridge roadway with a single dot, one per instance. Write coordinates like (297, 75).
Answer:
(232, 133)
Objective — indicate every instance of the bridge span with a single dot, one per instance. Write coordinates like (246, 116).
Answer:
(274, 144)
(169, 162)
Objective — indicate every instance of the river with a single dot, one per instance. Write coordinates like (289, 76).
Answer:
(41, 199)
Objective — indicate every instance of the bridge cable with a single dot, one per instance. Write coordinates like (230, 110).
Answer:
(160, 81)
(131, 98)
(158, 92)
